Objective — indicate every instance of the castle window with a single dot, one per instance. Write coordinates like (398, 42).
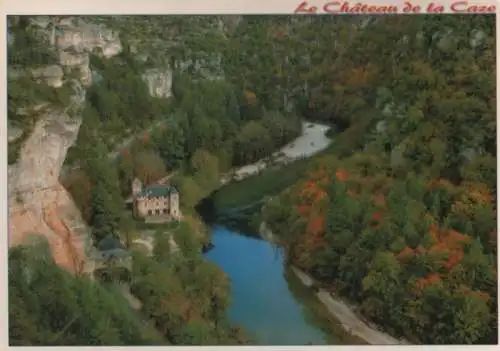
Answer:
(165, 211)
(150, 212)
(157, 212)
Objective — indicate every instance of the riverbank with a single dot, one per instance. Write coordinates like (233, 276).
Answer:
(268, 177)
(311, 141)
(339, 309)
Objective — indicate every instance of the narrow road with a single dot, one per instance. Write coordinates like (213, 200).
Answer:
(125, 143)
(352, 323)
(112, 155)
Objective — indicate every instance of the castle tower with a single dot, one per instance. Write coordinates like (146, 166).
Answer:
(136, 187)
(174, 203)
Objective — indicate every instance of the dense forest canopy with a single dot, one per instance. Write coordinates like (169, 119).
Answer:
(399, 215)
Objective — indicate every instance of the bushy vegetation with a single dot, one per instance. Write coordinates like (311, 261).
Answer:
(189, 304)
(29, 48)
(49, 306)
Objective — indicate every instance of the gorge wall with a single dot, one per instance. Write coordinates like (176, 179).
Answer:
(38, 203)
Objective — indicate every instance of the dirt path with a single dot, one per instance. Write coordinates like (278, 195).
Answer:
(352, 323)
(132, 300)
(346, 316)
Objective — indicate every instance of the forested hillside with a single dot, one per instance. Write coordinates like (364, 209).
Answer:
(400, 218)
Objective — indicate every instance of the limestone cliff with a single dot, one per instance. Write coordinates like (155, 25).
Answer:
(38, 203)
(159, 82)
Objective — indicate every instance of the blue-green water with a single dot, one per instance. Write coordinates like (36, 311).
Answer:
(262, 301)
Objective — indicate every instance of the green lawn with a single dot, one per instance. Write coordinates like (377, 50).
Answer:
(268, 183)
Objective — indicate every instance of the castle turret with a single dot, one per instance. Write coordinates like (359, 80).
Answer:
(174, 203)
(136, 187)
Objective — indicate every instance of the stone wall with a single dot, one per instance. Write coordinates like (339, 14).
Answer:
(144, 205)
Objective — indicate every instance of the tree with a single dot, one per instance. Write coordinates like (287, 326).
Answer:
(148, 167)
(107, 202)
(170, 144)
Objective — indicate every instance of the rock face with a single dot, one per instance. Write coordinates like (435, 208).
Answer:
(81, 36)
(159, 82)
(50, 75)
(38, 203)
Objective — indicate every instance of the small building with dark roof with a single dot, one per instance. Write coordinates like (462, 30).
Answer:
(108, 250)
(160, 201)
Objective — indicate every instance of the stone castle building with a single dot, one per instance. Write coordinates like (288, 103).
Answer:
(161, 201)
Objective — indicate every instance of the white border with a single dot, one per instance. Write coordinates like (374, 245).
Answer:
(156, 7)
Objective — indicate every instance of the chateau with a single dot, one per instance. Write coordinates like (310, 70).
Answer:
(160, 201)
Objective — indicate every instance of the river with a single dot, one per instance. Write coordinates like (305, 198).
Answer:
(264, 300)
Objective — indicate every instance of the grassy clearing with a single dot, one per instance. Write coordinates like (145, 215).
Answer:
(268, 183)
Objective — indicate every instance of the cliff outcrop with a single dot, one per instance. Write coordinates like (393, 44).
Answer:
(159, 82)
(38, 203)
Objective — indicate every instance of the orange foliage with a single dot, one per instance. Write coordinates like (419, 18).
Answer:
(304, 210)
(280, 33)
(433, 232)
(455, 238)
(407, 252)
(342, 175)
(319, 173)
(316, 225)
(465, 290)
(420, 250)
(482, 295)
(360, 76)
(313, 191)
(352, 193)
(325, 180)
(432, 278)
(448, 243)
(454, 257)
(125, 153)
(379, 200)
(437, 183)
(251, 98)
(478, 193)
(320, 194)
(377, 216)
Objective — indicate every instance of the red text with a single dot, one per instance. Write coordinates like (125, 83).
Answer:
(345, 7)
(467, 7)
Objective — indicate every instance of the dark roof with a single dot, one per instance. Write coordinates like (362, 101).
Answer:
(110, 243)
(158, 191)
(106, 255)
